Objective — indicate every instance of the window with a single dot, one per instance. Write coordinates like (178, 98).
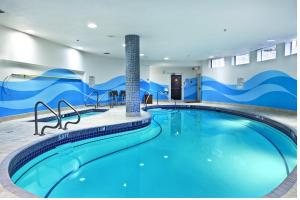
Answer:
(290, 48)
(218, 62)
(241, 59)
(268, 53)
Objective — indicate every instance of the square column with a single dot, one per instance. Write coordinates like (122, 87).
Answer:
(132, 51)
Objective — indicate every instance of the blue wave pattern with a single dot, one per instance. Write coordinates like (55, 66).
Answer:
(190, 89)
(18, 97)
(272, 88)
(157, 90)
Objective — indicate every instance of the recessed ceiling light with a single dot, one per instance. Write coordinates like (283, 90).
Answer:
(166, 58)
(123, 45)
(92, 25)
(30, 31)
(270, 40)
(211, 57)
(141, 54)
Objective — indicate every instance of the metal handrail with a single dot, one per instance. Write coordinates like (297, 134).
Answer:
(59, 114)
(97, 101)
(36, 119)
(102, 96)
(166, 96)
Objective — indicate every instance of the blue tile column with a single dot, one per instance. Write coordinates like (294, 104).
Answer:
(132, 50)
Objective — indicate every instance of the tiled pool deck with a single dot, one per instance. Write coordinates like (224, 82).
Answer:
(17, 133)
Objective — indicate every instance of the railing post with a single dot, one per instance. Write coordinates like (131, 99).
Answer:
(59, 114)
(36, 120)
(97, 99)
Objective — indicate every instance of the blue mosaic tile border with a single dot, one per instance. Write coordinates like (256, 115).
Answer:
(281, 127)
(41, 147)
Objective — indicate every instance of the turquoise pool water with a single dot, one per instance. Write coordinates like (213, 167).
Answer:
(183, 153)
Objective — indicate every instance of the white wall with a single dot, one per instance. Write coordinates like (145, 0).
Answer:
(23, 53)
(229, 73)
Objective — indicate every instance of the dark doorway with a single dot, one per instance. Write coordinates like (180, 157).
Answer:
(176, 87)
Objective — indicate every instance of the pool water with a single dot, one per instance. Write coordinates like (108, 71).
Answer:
(183, 153)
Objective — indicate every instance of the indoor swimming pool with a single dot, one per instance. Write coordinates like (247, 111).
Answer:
(182, 153)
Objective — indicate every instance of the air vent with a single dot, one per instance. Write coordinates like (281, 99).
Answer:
(106, 53)
(1, 11)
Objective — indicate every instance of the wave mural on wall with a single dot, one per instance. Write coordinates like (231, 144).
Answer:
(18, 97)
(190, 89)
(269, 89)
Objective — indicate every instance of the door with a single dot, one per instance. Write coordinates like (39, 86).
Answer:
(176, 87)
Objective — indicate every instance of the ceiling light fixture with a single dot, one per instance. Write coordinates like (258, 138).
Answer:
(142, 54)
(79, 48)
(92, 25)
(211, 57)
(270, 40)
(123, 45)
(30, 31)
(166, 58)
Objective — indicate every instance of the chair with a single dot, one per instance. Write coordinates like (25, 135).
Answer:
(122, 97)
(113, 95)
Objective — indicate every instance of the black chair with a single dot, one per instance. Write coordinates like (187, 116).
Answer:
(113, 95)
(122, 97)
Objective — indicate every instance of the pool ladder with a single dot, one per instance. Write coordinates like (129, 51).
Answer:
(157, 92)
(146, 100)
(60, 116)
(89, 96)
(57, 116)
(98, 100)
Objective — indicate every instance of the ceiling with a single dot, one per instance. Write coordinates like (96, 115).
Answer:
(183, 30)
